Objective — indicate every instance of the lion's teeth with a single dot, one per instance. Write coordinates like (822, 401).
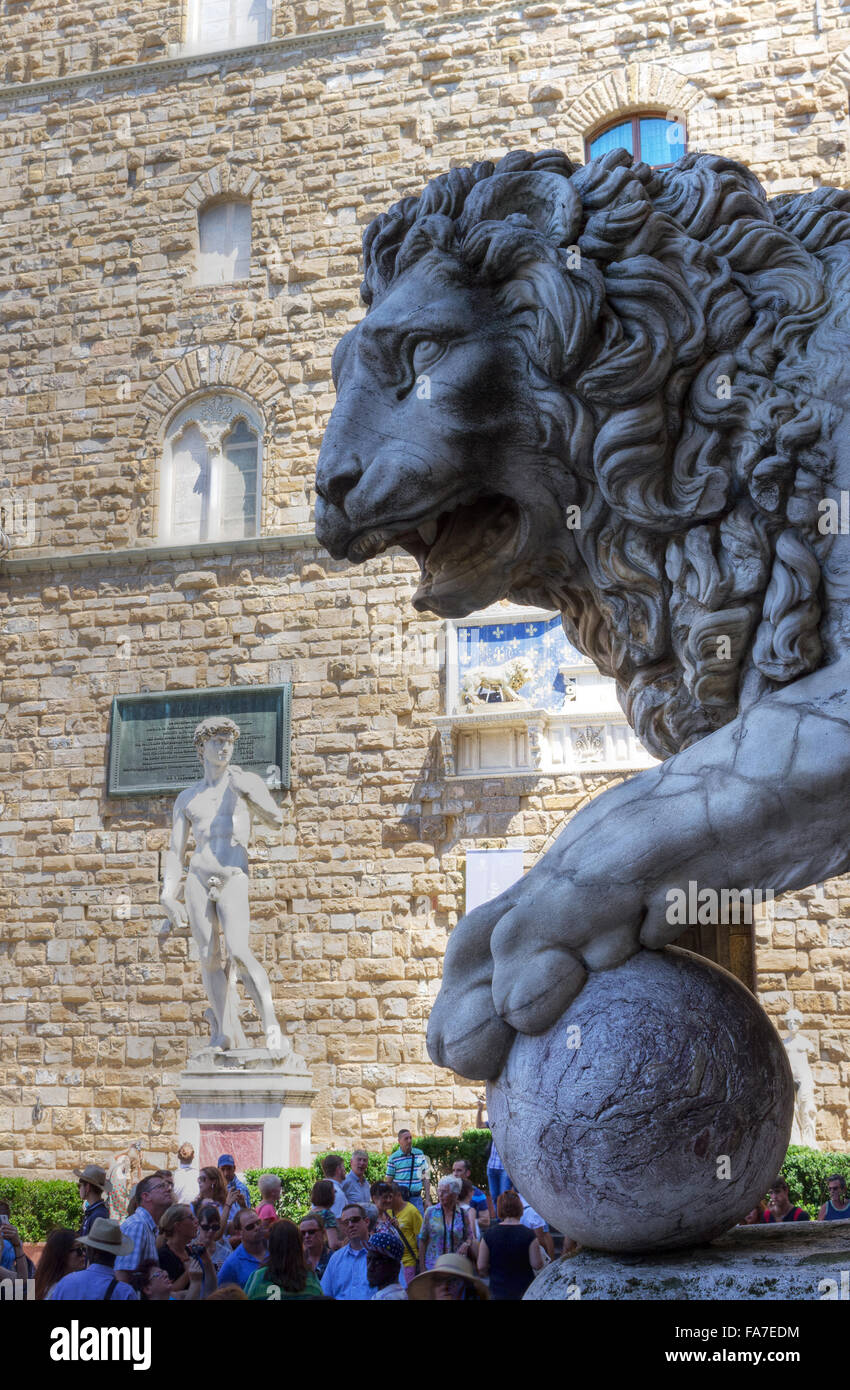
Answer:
(428, 532)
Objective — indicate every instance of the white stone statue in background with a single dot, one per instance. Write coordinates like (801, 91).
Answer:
(124, 1172)
(219, 811)
(799, 1048)
(503, 681)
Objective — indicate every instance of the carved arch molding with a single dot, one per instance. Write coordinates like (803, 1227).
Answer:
(222, 181)
(637, 86)
(215, 368)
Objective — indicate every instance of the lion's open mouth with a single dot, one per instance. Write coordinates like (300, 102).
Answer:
(457, 550)
(472, 551)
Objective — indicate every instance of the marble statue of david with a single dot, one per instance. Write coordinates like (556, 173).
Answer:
(219, 810)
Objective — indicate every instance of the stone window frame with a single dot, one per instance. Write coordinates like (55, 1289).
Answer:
(639, 86)
(211, 368)
(192, 15)
(215, 411)
(634, 118)
(223, 200)
(219, 184)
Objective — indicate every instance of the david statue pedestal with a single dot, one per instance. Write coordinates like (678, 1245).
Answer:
(232, 1090)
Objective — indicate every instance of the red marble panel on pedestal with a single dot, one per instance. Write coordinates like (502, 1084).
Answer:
(245, 1142)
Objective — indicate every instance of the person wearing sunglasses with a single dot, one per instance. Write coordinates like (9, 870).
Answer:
(251, 1252)
(211, 1236)
(178, 1246)
(345, 1278)
(836, 1207)
(62, 1254)
(316, 1251)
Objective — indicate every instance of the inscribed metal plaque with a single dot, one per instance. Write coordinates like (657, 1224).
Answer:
(151, 748)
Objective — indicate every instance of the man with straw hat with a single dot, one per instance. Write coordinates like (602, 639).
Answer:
(98, 1283)
(453, 1277)
(92, 1185)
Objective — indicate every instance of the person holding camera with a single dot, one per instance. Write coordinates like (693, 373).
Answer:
(237, 1197)
(179, 1246)
(13, 1257)
(227, 1168)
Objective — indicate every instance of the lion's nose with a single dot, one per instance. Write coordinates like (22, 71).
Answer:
(336, 476)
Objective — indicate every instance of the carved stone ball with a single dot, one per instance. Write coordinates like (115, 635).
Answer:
(654, 1113)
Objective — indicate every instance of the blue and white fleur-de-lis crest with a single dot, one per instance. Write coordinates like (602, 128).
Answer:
(541, 644)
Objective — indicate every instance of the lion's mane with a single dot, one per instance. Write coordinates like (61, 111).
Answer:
(679, 329)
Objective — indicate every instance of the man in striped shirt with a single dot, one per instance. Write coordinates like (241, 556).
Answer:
(409, 1168)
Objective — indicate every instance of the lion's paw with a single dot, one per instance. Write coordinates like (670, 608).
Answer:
(465, 1033)
(531, 991)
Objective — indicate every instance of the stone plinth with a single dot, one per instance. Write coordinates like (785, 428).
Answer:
(806, 1260)
(249, 1087)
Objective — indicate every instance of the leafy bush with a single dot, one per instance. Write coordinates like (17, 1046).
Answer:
(806, 1172)
(38, 1206)
(473, 1145)
(376, 1169)
(296, 1184)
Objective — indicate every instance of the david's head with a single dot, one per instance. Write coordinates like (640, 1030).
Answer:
(214, 739)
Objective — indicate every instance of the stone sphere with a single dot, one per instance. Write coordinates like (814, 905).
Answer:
(654, 1113)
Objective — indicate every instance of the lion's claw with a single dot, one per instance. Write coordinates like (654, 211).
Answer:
(466, 1035)
(506, 972)
(531, 992)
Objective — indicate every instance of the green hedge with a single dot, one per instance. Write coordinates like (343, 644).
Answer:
(472, 1145)
(38, 1206)
(295, 1183)
(376, 1169)
(806, 1172)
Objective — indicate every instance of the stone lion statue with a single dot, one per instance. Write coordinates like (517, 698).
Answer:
(506, 681)
(662, 354)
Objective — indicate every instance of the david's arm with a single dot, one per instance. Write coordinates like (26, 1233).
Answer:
(173, 865)
(258, 796)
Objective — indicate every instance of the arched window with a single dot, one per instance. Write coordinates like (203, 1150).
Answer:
(211, 471)
(648, 136)
(224, 241)
(214, 24)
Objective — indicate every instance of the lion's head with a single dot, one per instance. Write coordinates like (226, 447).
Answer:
(602, 388)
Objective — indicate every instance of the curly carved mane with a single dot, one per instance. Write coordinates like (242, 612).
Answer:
(678, 329)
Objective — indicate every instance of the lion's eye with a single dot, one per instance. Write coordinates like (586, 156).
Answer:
(426, 353)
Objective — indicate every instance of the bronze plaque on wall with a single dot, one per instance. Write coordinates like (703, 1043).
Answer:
(150, 737)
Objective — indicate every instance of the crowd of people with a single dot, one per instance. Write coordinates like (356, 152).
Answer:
(192, 1233)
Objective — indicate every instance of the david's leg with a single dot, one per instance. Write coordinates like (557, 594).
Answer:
(201, 913)
(234, 915)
